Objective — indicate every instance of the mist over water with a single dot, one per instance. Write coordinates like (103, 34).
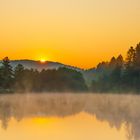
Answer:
(116, 110)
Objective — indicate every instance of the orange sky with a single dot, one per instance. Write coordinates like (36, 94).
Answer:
(80, 33)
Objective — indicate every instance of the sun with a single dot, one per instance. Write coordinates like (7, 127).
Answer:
(42, 60)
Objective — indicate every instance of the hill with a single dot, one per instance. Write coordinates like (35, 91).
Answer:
(32, 64)
(88, 75)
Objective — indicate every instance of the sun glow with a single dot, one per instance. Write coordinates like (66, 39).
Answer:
(42, 60)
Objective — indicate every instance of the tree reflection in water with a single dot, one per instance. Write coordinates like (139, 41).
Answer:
(115, 109)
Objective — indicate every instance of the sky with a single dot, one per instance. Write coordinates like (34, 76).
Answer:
(76, 32)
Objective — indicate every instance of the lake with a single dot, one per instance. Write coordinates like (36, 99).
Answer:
(69, 117)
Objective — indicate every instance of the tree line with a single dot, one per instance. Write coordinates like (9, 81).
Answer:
(19, 79)
(119, 75)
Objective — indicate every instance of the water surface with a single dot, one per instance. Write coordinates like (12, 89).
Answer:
(69, 117)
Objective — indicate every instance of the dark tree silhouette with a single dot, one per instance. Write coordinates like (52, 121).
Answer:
(130, 57)
(18, 79)
(120, 76)
(6, 74)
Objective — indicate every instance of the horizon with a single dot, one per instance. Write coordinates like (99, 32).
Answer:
(45, 61)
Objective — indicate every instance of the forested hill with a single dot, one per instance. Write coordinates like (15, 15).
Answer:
(49, 65)
(23, 79)
(88, 75)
